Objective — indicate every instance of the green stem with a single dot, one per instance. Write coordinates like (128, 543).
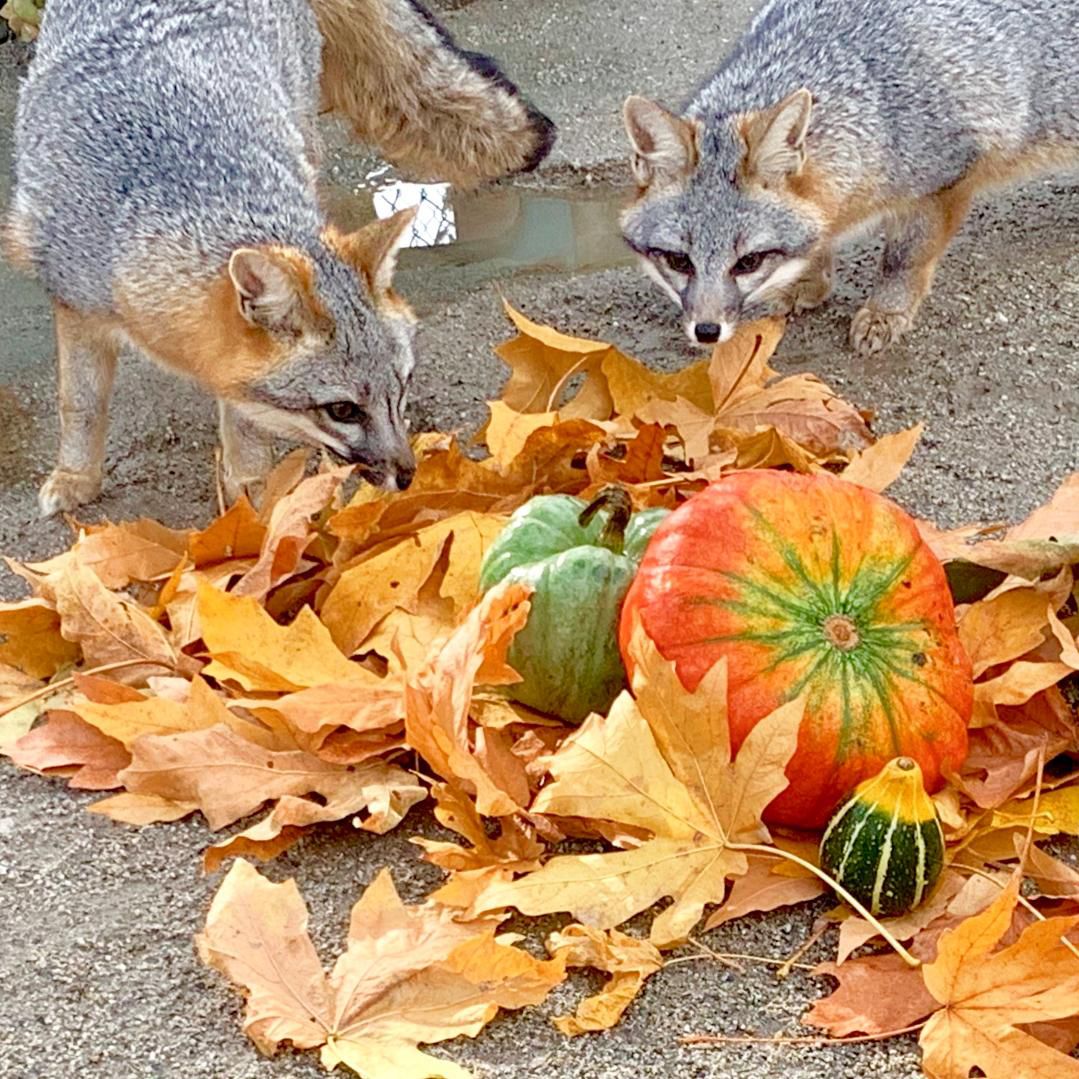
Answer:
(615, 499)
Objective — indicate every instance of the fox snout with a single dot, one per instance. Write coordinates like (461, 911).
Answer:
(392, 473)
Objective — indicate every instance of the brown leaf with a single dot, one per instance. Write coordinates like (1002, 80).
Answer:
(228, 777)
(30, 638)
(409, 975)
(289, 532)
(141, 809)
(879, 466)
(876, 994)
(629, 962)
(65, 742)
(237, 534)
(437, 697)
(1052, 876)
(542, 361)
(108, 628)
(141, 550)
(986, 995)
(764, 889)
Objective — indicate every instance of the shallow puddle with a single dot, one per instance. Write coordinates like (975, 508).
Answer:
(460, 239)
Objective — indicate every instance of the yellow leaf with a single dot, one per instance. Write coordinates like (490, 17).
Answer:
(878, 466)
(409, 975)
(30, 638)
(249, 647)
(661, 764)
(987, 996)
(508, 431)
(140, 809)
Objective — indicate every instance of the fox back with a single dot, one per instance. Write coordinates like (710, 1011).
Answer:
(832, 114)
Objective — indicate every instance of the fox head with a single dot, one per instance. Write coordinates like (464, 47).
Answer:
(337, 344)
(728, 214)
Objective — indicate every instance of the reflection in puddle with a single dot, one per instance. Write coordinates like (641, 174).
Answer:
(434, 222)
(491, 233)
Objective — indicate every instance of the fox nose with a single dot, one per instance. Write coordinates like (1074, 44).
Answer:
(404, 475)
(707, 332)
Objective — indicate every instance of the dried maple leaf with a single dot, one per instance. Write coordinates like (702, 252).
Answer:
(438, 696)
(663, 763)
(628, 960)
(879, 466)
(409, 976)
(141, 550)
(238, 533)
(392, 577)
(877, 994)
(542, 361)
(228, 777)
(1051, 876)
(1058, 519)
(987, 995)
(487, 858)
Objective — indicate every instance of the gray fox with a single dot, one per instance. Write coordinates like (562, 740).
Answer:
(165, 195)
(834, 116)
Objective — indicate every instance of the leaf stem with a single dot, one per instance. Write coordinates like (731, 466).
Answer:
(777, 852)
(56, 687)
(728, 1039)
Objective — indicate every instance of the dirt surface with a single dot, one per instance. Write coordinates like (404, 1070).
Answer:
(98, 968)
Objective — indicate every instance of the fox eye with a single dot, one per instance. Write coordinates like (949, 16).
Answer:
(344, 411)
(677, 262)
(750, 263)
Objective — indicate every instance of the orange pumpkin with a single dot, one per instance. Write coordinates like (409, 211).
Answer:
(810, 585)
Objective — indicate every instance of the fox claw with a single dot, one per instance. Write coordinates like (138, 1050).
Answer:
(872, 331)
(64, 491)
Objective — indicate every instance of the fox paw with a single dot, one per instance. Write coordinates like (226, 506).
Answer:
(872, 330)
(64, 491)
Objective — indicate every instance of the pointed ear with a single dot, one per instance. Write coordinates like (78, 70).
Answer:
(373, 249)
(664, 145)
(273, 286)
(775, 137)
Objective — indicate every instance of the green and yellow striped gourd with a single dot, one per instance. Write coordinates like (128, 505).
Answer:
(884, 844)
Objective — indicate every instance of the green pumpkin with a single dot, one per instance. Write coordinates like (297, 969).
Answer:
(579, 561)
(884, 844)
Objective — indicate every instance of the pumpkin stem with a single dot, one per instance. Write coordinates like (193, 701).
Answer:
(841, 632)
(618, 502)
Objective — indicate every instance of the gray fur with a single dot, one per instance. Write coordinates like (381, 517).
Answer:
(907, 96)
(155, 138)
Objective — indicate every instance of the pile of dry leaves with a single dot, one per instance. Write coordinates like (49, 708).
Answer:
(325, 659)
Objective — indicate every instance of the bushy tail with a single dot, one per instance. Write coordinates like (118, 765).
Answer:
(434, 110)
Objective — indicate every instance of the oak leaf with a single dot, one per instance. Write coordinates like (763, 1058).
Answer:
(663, 763)
(987, 995)
(228, 777)
(247, 646)
(409, 975)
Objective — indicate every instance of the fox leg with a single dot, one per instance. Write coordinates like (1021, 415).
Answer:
(87, 349)
(816, 286)
(914, 244)
(246, 454)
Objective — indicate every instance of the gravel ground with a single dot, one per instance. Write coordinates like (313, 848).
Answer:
(99, 972)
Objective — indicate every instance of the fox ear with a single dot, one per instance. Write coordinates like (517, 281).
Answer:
(272, 286)
(664, 145)
(775, 137)
(373, 249)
